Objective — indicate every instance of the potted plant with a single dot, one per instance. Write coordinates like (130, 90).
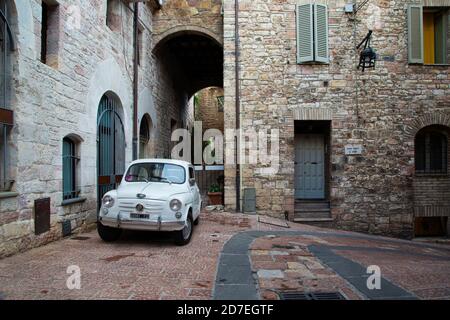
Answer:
(215, 195)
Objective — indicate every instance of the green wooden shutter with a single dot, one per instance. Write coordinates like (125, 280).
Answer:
(321, 33)
(415, 33)
(305, 31)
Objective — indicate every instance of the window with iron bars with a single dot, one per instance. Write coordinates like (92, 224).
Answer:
(6, 114)
(70, 161)
(431, 152)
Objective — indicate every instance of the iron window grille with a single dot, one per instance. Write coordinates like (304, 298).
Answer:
(6, 114)
(431, 153)
(70, 161)
(220, 103)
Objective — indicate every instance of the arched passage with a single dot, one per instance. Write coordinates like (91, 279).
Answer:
(110, 145)
(193, 60)
(198, 59)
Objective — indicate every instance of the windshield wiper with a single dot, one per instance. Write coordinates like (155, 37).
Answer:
(166, 180)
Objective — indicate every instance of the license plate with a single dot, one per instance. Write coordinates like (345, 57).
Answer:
(139, 216)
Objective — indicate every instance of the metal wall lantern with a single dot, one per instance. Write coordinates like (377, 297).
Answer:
(368, 56)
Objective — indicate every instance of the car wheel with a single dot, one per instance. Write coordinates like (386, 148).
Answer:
(108, 234)
(183, 236)
(196, 222)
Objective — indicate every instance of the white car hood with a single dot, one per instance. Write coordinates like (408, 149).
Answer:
(152, 190)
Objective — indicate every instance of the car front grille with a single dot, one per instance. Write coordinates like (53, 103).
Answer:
(150, 206)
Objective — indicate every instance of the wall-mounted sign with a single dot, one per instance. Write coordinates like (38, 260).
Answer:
(353, 150)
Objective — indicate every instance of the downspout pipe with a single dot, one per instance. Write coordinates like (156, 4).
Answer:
(135, 78)
(238, 105)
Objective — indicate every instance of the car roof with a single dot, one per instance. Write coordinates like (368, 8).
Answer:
(169, 161)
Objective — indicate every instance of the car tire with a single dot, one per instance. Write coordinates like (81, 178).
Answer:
(108, 234)
(197, 221)
(183, 237)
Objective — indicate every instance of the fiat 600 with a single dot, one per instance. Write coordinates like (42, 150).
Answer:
(154, 195)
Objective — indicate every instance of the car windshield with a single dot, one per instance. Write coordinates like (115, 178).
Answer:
(156, 172)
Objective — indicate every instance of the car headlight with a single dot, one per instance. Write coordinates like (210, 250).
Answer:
(108, 201)
(175, 205)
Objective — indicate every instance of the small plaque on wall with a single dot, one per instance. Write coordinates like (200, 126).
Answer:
(351, 150)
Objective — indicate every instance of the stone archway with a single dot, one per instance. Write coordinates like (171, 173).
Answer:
(110, 144)
(431, 203)
(418, 123)
(176, 31)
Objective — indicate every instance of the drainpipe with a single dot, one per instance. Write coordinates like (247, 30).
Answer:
(238, 105)
(135, 79)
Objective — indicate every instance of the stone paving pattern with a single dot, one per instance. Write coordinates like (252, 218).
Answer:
(150, 266)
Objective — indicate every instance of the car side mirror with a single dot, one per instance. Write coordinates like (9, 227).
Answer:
(192, 182)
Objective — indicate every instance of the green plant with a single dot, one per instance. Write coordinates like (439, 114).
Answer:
(214, 188)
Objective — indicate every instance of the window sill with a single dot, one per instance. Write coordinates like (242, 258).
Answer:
(313, 63)
(431, 65)
(432, 175)
(8, 194)
(72, 201)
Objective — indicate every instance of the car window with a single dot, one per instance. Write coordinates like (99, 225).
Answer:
(156, 172)
(191, 173)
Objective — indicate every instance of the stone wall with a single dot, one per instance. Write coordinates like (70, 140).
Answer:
(369, 193)
(51, 102)
(207, 111)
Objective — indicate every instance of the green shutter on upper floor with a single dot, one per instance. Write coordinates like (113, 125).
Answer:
(305, 33)
(321, 33)
(415, 33)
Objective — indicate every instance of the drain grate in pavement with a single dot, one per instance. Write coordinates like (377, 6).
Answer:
(279, 246)
(311, 296)
(80, 238)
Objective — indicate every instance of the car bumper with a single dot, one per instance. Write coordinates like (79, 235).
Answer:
(143, 225)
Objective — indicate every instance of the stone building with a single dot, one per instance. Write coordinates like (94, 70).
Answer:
(373, 145)
(360, 151)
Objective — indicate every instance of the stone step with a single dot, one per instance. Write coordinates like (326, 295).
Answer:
(302, 209)
(312, 214)
(317, 222)
(314, 205)
(300, 220)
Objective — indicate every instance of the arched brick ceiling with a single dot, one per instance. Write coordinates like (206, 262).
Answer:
(199, 60)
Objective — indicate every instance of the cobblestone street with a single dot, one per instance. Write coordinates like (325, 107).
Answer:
(150, 266)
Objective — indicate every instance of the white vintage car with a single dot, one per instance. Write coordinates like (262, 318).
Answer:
(154, 195)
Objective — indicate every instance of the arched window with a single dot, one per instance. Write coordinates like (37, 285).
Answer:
(6, 114)
(144, 137)
(431, 151)
(70, 161)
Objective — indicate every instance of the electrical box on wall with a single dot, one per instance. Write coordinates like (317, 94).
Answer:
(349, 8)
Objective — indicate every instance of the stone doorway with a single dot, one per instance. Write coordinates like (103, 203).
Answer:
(312, 171)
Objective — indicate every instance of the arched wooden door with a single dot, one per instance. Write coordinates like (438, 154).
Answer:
(110, 146)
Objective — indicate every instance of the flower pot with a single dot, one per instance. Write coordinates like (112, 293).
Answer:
(215, 198)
